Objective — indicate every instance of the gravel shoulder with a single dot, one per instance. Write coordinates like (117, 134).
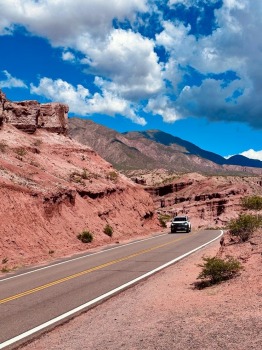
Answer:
(166, 312)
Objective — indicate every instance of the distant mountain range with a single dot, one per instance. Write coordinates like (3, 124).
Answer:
(154, 149)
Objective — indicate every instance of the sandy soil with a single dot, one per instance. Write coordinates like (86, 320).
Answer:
(167, 312)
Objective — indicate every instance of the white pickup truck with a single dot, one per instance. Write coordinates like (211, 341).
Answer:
(180, 223)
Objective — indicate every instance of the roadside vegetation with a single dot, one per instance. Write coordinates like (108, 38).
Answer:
(215, 270)
(85, 237)
(163, 219)
(246, 224)
(108, 230)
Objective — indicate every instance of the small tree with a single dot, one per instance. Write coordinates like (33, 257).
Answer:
(216, 270)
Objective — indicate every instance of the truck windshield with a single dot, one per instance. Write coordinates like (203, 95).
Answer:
(182, 218)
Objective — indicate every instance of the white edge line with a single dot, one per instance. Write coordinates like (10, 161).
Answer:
(81, 257)
(101, 297)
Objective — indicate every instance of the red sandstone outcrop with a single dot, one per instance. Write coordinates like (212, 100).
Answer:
(53, 188)
(31, 115)
(210, 201)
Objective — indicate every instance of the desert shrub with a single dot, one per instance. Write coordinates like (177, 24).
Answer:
(113, 176)
(244, 226)
(3, 147)
(85, 237)
(163, 219)
(108, 230)
(76, 177)
(85, 174)
(252, 203)
(5, 269)
(4, 261)
(215, 270)
(21, 151)
(37, 143)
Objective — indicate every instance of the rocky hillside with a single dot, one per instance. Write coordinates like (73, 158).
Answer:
(154, 150)
(52, 188)
(191, 181)
(210, 201)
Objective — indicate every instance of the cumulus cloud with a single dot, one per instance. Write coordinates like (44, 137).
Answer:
(252, 154)
(80, 100)
(126, 61)
(164, 107)
(233, 47)
(68, 56)
(130, 62)
(11, 82)
(61, 21)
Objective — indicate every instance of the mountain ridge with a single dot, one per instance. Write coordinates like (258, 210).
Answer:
(154, 149)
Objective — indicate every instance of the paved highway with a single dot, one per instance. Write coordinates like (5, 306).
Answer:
(33, 301)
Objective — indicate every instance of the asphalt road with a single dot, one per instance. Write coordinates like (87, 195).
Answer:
(33, 301)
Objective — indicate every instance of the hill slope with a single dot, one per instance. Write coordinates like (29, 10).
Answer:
(154, 149)
(52, 188)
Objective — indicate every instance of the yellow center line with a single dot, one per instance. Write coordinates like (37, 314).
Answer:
(99, 267)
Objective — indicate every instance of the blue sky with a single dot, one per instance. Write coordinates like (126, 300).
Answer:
(191, 68)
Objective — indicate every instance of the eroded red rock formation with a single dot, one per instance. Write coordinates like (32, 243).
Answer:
(52, 188)
(209, 200)
(28, 116)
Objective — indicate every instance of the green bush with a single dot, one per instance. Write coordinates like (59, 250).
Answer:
(108, 230)
(244, 226)
(85, 237)
(252, 203)
(215, 270)
(162, 222)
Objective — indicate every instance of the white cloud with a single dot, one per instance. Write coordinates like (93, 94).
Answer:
(68, 56)
(233, 46)
(163, 107)
(62, 21)
(252, 154)
(11, 82)
(130, 62)
(125, 57)
(128, 67)
(81, 102)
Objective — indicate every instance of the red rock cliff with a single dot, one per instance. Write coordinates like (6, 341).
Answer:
(31, 115)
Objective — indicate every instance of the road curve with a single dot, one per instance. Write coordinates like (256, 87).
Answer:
(35, 300)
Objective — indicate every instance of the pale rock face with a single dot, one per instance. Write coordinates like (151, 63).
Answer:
(31, 115)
